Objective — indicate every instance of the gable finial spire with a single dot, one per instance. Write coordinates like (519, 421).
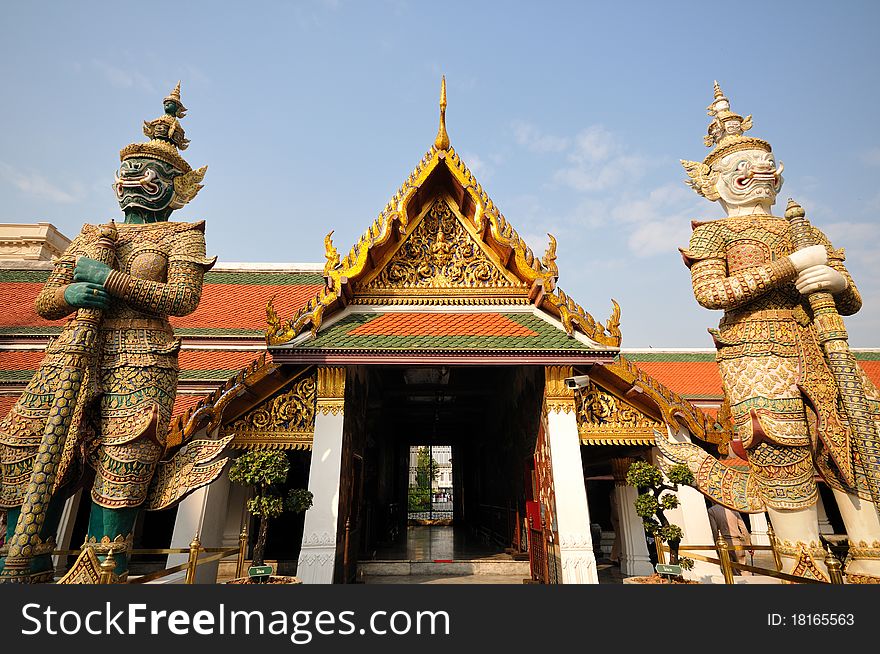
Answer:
(442, 140)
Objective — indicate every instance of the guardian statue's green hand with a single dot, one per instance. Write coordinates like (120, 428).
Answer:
(89, 270)
(86, 295)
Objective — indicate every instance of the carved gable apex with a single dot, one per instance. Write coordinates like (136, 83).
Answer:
(440, 256)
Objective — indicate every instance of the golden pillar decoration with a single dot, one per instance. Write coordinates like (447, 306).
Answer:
(331, 390)
(559, 397)
(619, 468)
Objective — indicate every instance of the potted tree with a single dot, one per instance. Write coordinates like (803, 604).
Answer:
(266, 472)
(655, 497)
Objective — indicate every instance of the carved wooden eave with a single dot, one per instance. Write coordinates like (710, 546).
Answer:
(606, 418)
(644, 393)
(283, 421)
(247, 387)
(262, 386)
(441, 174)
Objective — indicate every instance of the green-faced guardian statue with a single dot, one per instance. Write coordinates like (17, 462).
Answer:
(97, 411)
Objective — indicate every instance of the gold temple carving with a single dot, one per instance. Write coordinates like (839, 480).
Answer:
(440, 253)
(284, 421)
(605, 419)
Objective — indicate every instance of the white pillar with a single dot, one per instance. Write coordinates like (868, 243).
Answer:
(824, 523)
(634, 557)
(572, 511)
(317, 557)
(693, 519)
(203, 512)
(236, 514)
(65, 530)
(692, 516)
(758, 529)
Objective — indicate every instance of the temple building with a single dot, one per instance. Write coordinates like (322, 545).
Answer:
(439, 329)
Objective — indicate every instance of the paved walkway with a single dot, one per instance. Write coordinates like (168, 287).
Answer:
(443, 579)
(436, 542)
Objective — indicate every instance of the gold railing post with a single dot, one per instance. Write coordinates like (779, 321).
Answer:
(193, 561)
(833, 564)
(242, 552)
(108, 565)
(776, 558)
(724, 557)
(661, 553)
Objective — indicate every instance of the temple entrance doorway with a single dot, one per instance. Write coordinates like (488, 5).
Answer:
(447, 467)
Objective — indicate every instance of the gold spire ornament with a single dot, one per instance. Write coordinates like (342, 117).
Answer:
(331, 254)
(726, 130)
(442, 140)
(726, 133)
(166, 134)
(166, 138)
(174, 96)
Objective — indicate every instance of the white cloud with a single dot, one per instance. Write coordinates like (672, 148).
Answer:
(34, 184)
(531, 138)
(605, 176)
(594, 144)
(659, 237)
(122, 78)
(590, 213)
(477, 165)
(871, 157)
(843, 232)
(660, 220)
(597, 162)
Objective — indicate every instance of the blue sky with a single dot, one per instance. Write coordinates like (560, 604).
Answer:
(573, 116)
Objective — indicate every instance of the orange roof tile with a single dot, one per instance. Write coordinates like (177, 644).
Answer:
(243, 306)
(18, 306)
(702, 379)
(223, 306)
(20, 359)
(229, 360)
(6, 402)
(185, 401)
(687, 378)
(872, 369)
(216, 359)
(442, 324)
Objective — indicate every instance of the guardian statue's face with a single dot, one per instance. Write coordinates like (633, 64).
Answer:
(145, 183)
(748, 177)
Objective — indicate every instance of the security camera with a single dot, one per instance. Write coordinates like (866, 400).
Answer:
(578, 381)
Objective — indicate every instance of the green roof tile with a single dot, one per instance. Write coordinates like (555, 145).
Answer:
(265, 278)
(681, 357)
(23, 276)
(548, 337)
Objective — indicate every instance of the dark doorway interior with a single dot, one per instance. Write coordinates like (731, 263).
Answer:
(486, 418)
